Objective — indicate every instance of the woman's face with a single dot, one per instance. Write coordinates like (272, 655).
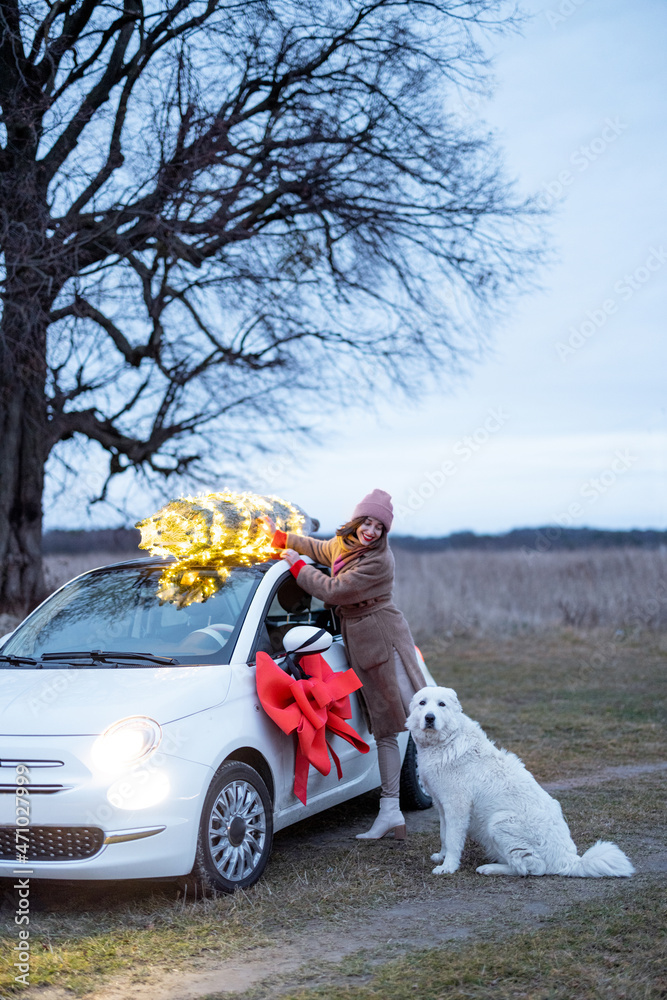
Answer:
(369, 530)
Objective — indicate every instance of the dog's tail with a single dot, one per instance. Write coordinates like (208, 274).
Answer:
(602, 860)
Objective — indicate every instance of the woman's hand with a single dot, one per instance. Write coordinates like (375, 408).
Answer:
(290, 555)
(268, 526)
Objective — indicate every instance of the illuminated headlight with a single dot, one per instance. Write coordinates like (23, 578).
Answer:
(142, 788)
(128, 742)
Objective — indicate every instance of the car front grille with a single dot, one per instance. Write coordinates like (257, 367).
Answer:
(51, 843)
(33, 789)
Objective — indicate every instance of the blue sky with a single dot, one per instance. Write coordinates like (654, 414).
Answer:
(566, 421)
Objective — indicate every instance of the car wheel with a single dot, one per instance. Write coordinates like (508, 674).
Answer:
(235, 830)
(413, 792)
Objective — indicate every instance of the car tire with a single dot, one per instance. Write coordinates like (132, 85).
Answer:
(235, 830)
(413, 792)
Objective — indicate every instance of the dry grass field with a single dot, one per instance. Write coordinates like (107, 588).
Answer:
(477, 593)
(58, 569)
(465, 593)
(339, 919)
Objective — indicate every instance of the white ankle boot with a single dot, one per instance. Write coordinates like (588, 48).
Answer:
(389, 818)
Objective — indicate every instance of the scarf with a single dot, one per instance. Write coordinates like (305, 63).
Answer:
(355, 550)
(343, 560)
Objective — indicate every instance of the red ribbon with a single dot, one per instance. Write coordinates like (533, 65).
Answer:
(307, 708)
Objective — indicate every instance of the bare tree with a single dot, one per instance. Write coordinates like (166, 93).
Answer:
(205, 205)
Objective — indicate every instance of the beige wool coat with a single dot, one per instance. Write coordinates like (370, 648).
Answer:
(372, 626)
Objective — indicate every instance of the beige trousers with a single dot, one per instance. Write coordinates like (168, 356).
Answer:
(389, 756)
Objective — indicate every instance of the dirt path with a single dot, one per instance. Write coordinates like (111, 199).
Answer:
(387, 933)
(605, 774)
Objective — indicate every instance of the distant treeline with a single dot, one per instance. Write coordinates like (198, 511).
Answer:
(551, 537)
(103, 540)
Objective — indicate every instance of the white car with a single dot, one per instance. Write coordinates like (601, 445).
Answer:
(136, 728)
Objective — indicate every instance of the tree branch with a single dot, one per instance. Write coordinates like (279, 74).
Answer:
(82, 309)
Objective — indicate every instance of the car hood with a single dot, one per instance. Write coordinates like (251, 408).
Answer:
(81, 702)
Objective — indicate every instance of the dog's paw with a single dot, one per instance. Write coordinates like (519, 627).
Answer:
(446, 868)
(437, 856)
(487, 870)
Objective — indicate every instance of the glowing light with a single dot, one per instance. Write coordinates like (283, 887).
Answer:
(142, 789)
(126, 743)
(209, 535)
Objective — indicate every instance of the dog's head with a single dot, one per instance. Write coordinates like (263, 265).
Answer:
(434, 713)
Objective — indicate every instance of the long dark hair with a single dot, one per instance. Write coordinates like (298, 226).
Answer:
(348, 534)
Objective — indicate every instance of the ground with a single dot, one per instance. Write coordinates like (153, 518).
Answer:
(337, 918)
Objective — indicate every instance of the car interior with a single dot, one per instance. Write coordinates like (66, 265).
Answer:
(291, 606)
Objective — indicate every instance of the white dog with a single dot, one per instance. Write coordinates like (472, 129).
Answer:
(489, 794)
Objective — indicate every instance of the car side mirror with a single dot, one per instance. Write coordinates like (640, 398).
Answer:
(303, 639)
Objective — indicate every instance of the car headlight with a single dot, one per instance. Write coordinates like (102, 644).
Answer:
(126, 743)
(143, 788)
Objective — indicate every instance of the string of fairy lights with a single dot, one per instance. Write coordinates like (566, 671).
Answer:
(209, 535)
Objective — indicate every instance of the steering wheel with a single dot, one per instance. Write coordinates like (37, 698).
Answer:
(220, 631)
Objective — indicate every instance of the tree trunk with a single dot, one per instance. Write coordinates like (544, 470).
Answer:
(24, 432)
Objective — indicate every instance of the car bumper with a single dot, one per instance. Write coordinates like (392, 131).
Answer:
(140, 824)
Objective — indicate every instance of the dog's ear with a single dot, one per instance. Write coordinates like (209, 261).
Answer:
(450, 696)
(413, 702)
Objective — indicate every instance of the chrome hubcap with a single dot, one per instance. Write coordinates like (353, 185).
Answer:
(237, 830)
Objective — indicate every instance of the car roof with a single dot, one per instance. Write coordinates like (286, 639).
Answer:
(145, 561)
(137, 561)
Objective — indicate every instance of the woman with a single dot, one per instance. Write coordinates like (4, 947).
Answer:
(377, 637)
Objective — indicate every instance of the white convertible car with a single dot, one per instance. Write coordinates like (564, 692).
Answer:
(135, 726)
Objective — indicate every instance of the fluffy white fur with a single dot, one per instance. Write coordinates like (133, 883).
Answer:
(488, 793)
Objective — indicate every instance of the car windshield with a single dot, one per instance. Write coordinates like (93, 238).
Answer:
(118, 610)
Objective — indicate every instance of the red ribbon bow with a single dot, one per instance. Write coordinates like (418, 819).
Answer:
(308, 707)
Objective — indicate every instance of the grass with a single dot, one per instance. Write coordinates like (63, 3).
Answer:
(463, 592)
(607, 948)
(535, 695)
(565, 701)
(614, 950)
(80, 936)
(76, 949)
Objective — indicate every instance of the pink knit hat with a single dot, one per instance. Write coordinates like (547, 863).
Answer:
(376, 504)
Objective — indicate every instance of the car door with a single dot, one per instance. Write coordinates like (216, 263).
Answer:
(288, 606)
